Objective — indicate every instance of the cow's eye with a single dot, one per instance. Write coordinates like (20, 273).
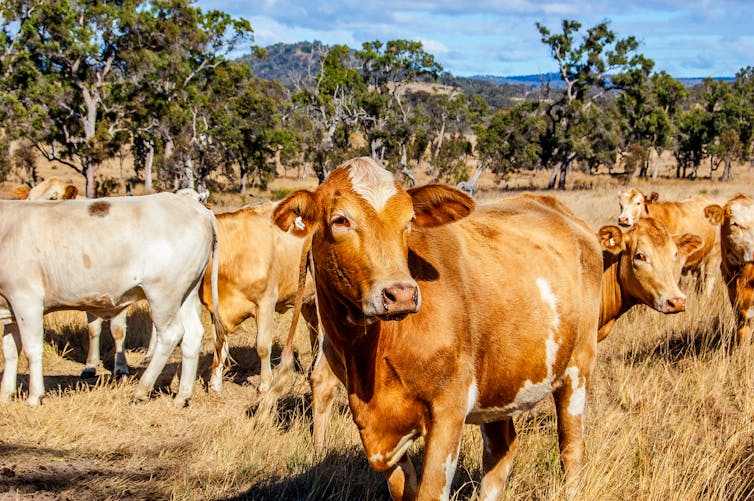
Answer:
(733, 224)
(638, 202)
(640, 256)
(340, 222)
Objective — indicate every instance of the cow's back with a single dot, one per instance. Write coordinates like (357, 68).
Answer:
(687, 216)
(100, 251)
(256, 259)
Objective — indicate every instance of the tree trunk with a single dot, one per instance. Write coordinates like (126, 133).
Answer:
(244, 175)
(439, 141)
(563, 174)
(553, 177)
(91, 180)
(148, 164)
(727, 171)
(656, 168)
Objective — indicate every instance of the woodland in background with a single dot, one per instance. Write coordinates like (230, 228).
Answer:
(82, 83)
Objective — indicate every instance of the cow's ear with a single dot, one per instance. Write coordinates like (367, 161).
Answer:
(688, 242)
(21, 192)
(652, 197)
(70, 192)
(714, 214)
(611, 239)
(436, 204)
(296, 211)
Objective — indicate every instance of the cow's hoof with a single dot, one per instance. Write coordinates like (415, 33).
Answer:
(34, 401)
(140, 396)
(88, 373)
(181, 402)
(120, 373)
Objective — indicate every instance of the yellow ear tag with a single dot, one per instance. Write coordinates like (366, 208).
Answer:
(299, 223)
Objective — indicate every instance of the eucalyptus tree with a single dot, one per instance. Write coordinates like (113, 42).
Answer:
(388, 69)
(649, 104)
(183, 48)
(584, 67)
(330, 99)
(513, 139)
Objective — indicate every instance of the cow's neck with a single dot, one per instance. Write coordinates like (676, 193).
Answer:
(614, 302)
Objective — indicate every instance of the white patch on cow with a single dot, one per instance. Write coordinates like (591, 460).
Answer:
(472, 396)
(450, 468)
(375, 184)
(492, 494)
(545, 291)
(393, 456)
(530, 393)
(750, 313)
(577, 402)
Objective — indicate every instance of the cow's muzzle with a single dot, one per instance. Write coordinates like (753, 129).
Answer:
(393, 301)
(675, 304)
(625, 221)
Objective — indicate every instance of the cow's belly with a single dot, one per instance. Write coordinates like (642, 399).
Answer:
(99, 303)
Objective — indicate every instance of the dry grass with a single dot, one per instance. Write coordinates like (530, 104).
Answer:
(670, 416)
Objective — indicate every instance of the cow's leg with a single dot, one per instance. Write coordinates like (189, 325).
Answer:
(152, 345)
(30, 326)
(497, 457)
(118, 331)
(324, 385)
(218, 365)
(401, 480)
(191, 316)
(11, 349)
(443, 444)
(570, 404)
(265, 324)
(94, 326)
(169, 331)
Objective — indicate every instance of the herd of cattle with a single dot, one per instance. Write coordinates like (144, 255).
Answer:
(434, 311)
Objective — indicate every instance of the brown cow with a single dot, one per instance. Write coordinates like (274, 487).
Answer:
(642, 266)
(257, 276)
(686, 216)
(736, 220)
(430, 325)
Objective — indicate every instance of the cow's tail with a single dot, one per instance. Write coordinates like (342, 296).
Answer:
(284, 369)
(220, 332)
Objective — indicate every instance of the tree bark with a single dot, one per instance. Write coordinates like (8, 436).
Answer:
(91, 180)
(148, 164)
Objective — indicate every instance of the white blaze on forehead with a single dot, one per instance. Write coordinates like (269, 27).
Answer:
(375, 184)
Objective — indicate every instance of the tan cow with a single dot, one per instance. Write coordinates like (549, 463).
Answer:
(52, 188)
(642, 266)
(430, 325)
(686, 216)
(257, 276)
(736, 220)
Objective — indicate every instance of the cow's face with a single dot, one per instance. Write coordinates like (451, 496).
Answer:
(737, 228)
(360, 220)
(633, 204)
(651, 262)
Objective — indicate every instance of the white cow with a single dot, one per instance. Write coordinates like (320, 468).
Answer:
(56, 189)
(100, 256)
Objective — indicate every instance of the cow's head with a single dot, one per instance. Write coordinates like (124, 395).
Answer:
(650, 262)
(360, 220)
(53, 189)
(736, 220)
(633, 205)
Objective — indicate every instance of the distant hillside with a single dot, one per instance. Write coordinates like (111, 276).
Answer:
(287, 63)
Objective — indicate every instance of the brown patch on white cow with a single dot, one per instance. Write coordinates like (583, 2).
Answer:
(99, 209)
(87, 261)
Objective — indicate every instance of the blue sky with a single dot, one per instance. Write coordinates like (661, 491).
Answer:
(686, 38)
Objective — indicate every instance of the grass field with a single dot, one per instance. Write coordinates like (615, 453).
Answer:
(670, 414)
